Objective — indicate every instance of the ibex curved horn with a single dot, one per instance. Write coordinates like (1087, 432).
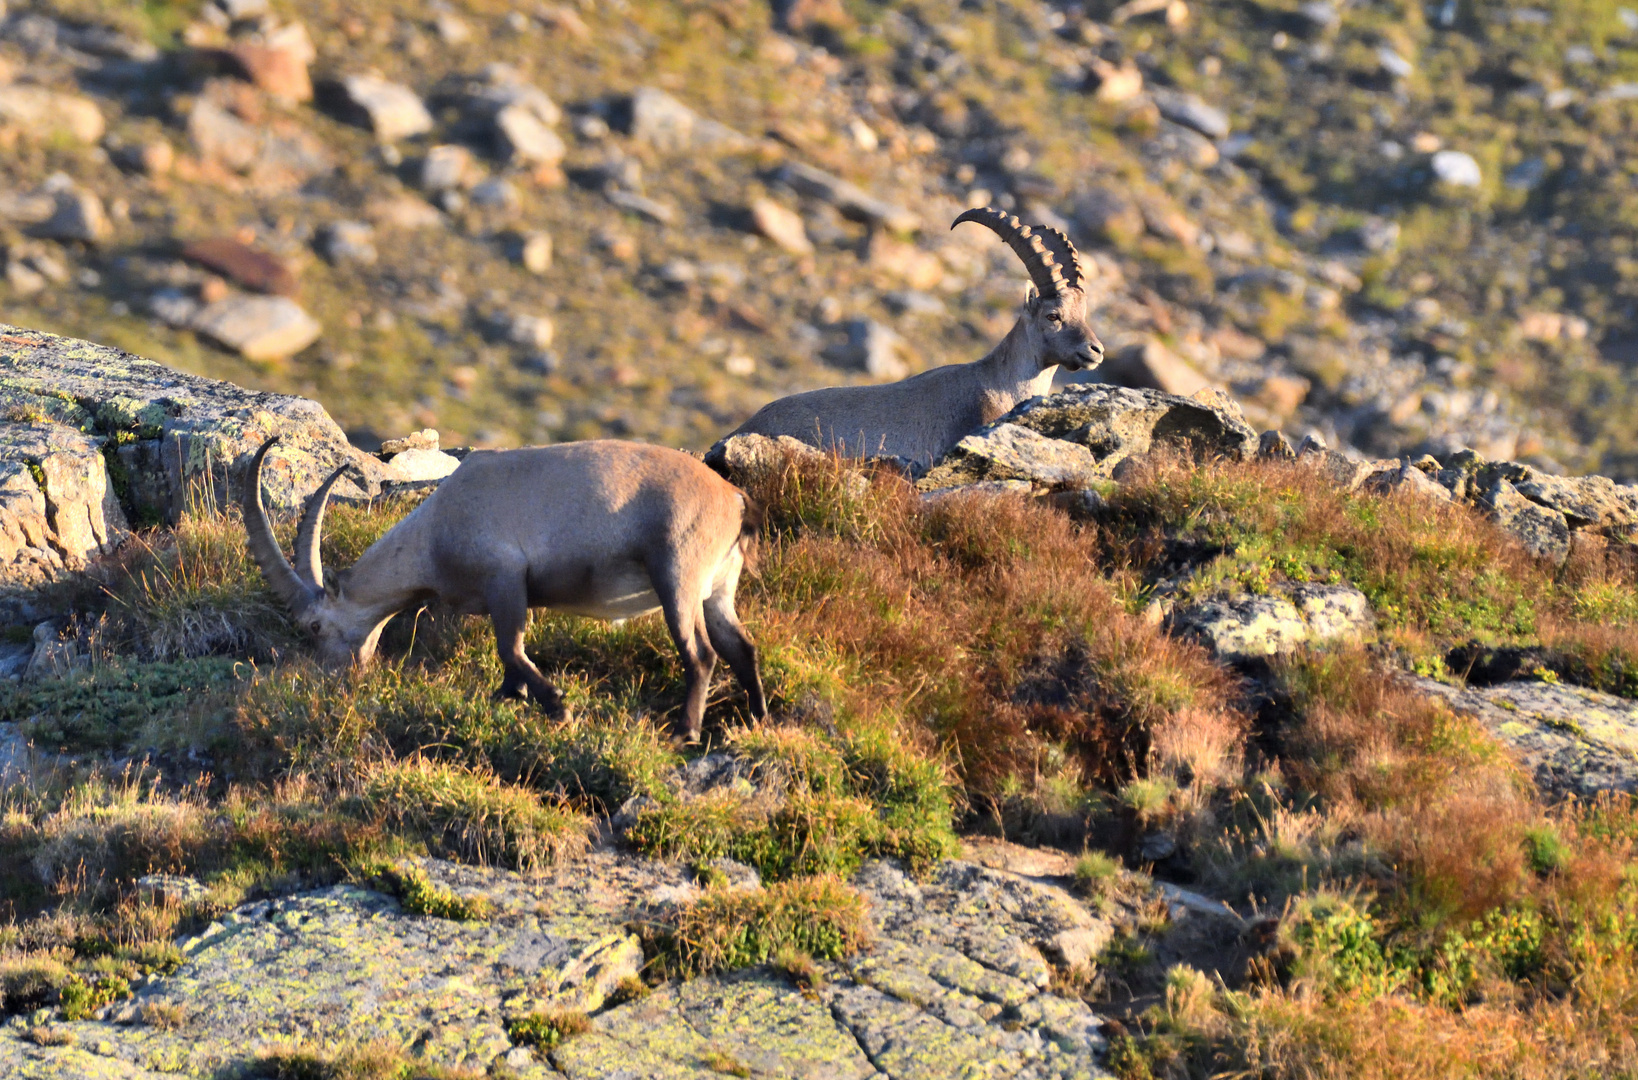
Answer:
(309, 564)
(264, 546)
(1063, 251)
(1039, 260)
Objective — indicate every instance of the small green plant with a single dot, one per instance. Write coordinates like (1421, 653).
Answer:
(368, 1061)
(1097, 875)
(1337, 945)
(707, 876)
(472, 814)
(165, 1015)
(722, 1061)
(79, 996)
(51, 1035)
(1149, 798)
(547, 1030)
(631, 988)
(800, 968)
(1545, 849)
(29, 981)
(421, 896)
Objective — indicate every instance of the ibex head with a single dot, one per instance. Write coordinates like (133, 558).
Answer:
(1056, 315)
(346, 631)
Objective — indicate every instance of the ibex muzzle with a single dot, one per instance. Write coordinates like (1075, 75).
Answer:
(920, 418)
(606, 529)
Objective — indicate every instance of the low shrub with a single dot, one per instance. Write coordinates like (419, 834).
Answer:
(725, 929)
(120, 705)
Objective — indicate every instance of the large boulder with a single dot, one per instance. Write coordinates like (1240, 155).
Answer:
(96, 437)
(1107, 424)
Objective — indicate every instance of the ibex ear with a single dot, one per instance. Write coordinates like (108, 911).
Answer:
(335, 583)
(1032, 298)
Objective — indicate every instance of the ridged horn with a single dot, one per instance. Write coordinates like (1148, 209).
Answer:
(264, 546)
(1063, 251)
(309, 564)
(1038, 259)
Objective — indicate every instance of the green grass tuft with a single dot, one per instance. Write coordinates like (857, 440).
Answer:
(548, 1030)
(723, 930)
(421, 896)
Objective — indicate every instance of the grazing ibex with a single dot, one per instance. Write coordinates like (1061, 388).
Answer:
(920, 418)
(607, 529)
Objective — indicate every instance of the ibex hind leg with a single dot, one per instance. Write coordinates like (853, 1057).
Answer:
(731, 642)
(509, 611)
(686, 621)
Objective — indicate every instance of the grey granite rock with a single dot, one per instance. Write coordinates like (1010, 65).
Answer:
(1111, 423)
(110, 435)
(1010, 452)
(956, 985)
(1573, 741)
(1257, 627)
(1543, 531)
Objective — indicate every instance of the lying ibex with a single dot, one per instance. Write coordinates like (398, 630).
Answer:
(922, 417)
(607, 529)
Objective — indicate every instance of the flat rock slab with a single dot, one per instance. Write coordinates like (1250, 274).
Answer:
(956, 985)
(1572, 740)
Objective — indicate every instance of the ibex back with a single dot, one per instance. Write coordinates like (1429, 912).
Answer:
(920, 418)
(607, 529)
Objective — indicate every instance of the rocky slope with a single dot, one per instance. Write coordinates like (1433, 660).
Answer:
(958, 980)
(1004, 960)
(523, 223)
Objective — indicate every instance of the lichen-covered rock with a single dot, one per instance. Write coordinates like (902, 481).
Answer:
(1573, 741)
(259, 327)
(1116, 423)
(957, 985)
(1543, 531)
(1584, 500)
(98, 436)
(390, 110)
(746, 458)
(1344, 470)
(1257, 627)
(1406, 477)
(57, 508)
(1006, 451)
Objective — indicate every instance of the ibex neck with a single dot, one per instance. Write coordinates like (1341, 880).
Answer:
(389, 576)
(1015, 367)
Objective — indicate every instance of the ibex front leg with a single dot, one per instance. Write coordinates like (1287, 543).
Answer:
(509, 610)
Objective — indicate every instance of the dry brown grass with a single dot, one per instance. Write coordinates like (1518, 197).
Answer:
(982, 623)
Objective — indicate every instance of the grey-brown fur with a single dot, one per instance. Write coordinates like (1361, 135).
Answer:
(920, 418)
(607, 529)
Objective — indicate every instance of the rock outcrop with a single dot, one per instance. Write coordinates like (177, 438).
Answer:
(1104, 425)
(1571, 740)
(96, 440)
(958, 980)
(1259, 627)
